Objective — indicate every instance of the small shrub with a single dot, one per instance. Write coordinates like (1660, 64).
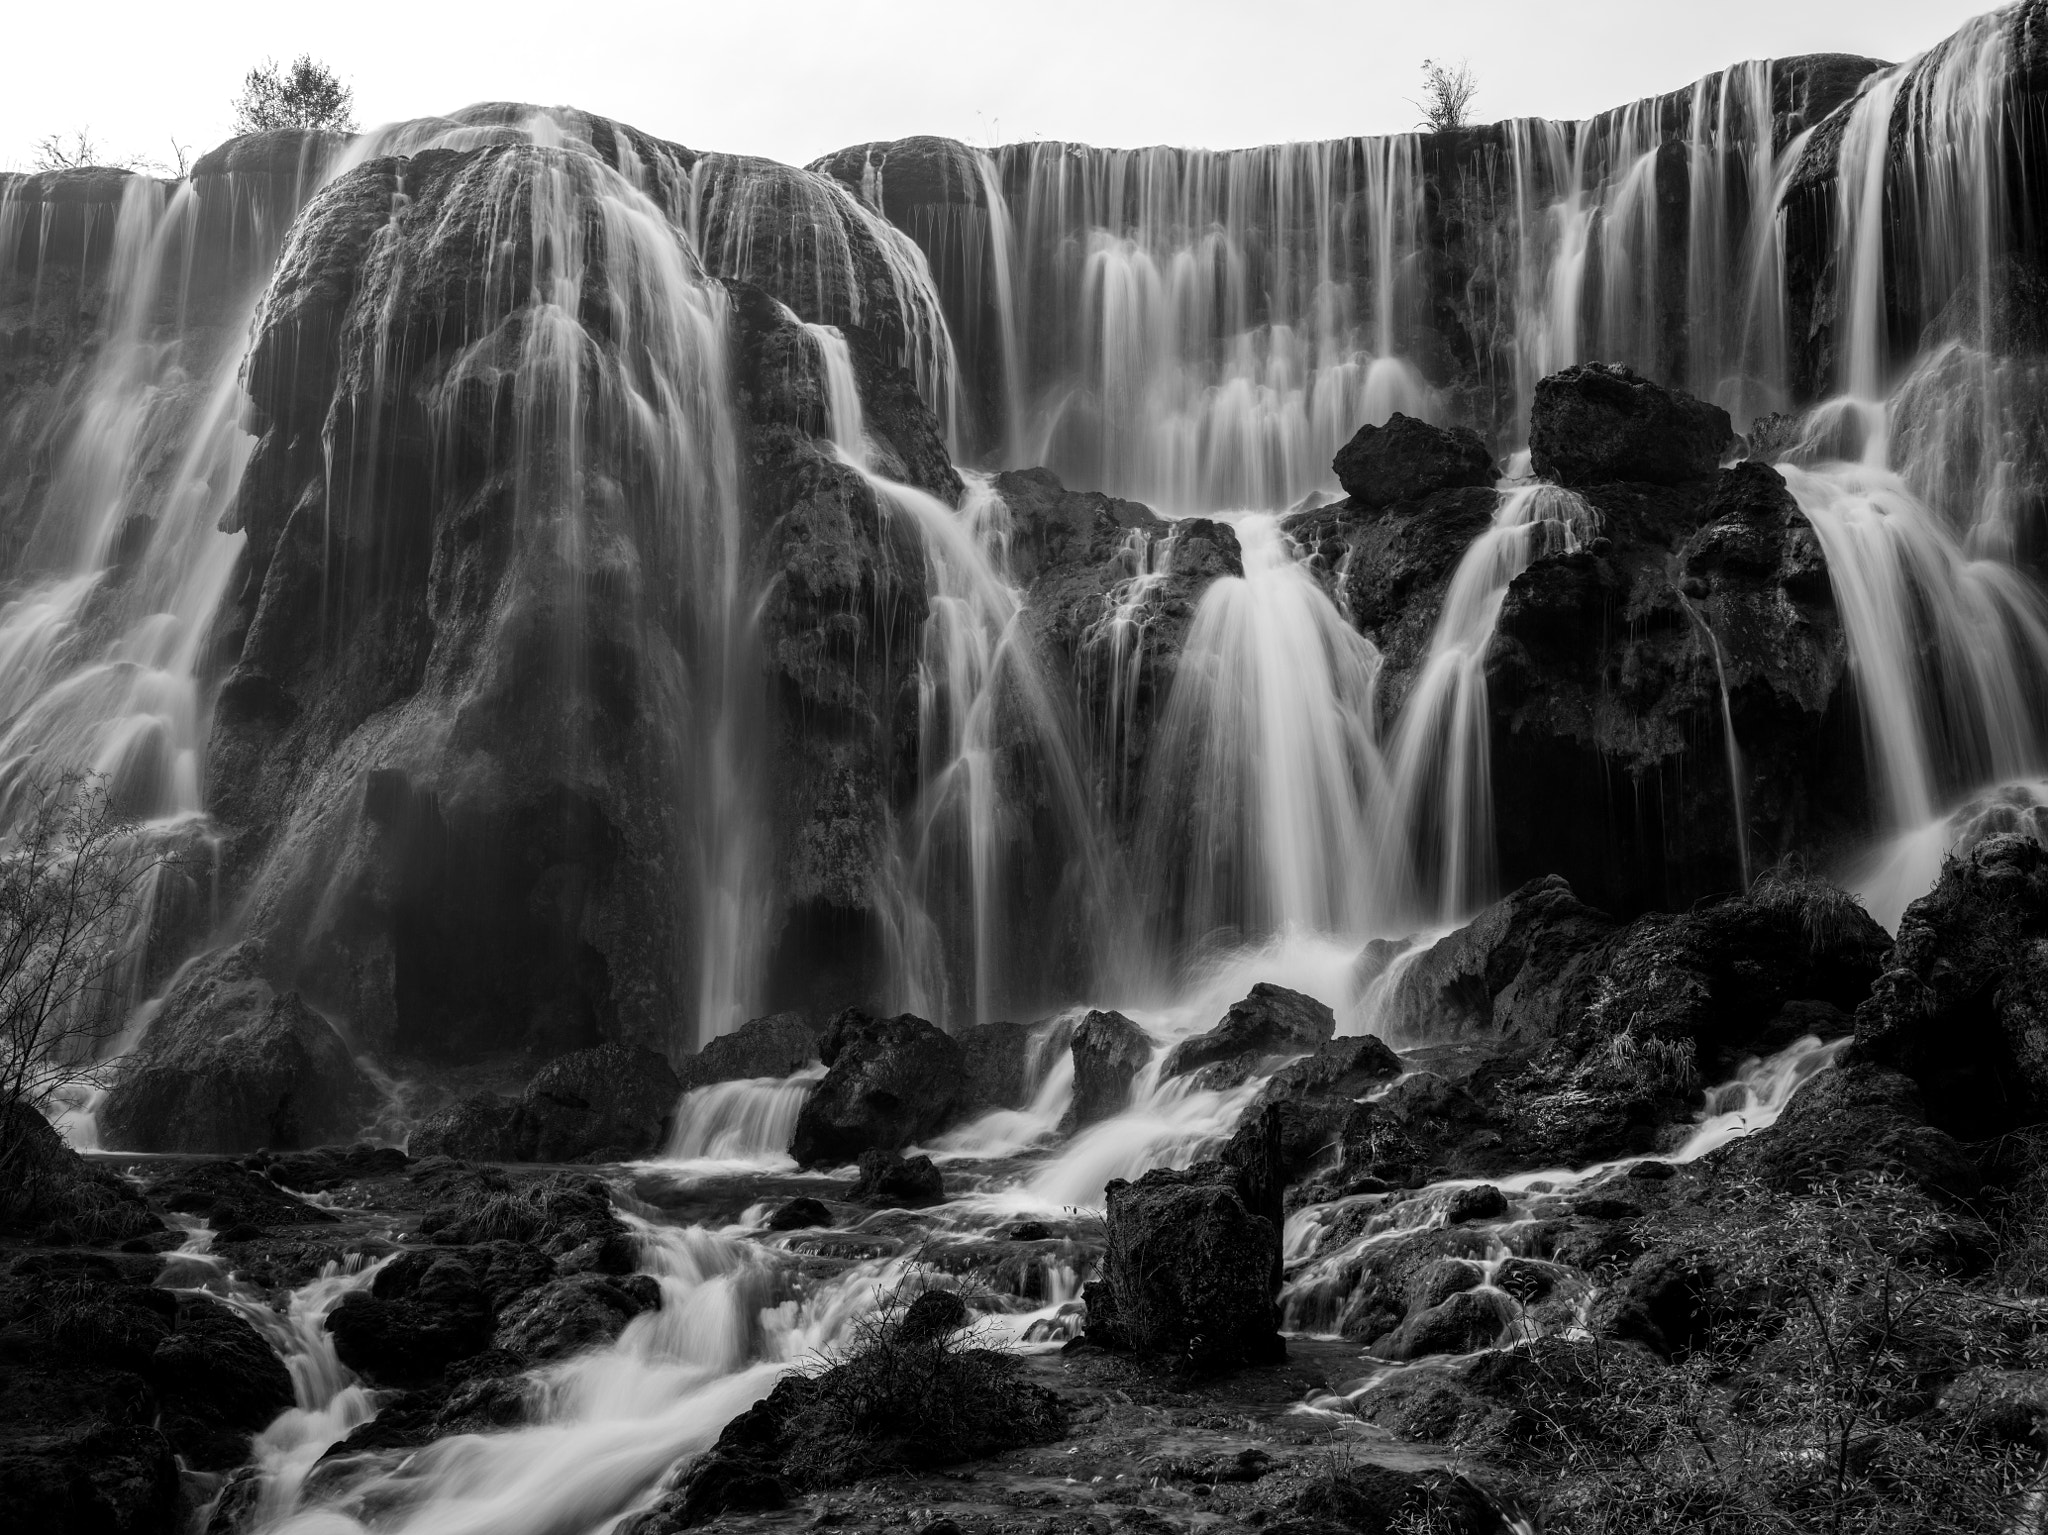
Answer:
(913, 1388)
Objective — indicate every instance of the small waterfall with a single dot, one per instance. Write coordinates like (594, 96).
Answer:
(993, 736)
(1265, 804)
(742, 1125)
(1731, 749)
(1441, 763)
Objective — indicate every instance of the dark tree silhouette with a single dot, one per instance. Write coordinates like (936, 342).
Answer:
(306, 95)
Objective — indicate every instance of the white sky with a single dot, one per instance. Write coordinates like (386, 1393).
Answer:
(793, 79)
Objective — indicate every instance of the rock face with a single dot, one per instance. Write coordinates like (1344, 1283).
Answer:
(607, 1104)
(1191, 1272)
(1407, 459)
(891, 1081)
(1269, 1023)
(1109, 1051)
(777, 1046)
(891, 1179)
(1601, 423)
(230, 1064)
(1962, 1007)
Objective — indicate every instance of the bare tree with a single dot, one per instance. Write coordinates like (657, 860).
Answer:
(56, 152)
(1447, 92)
(73, 882)
(306, 95)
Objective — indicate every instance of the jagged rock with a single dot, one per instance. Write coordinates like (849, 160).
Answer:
(1962, 1006)
(1190, 1273)
(227, 1195)
(1109, 1051)
(776, 1046)
(890, 1081)
(1467, 1321)
(1316, 1096)
(483, 1127)
(608, 1103)
(1858, 1119)
(576, 1312)
(890, 1178)
(1268, 1025)
(1596, 423)
(1480, 1202)
(229, 1064)
(1407, 459)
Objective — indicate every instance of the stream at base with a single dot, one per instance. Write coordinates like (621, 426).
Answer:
(741, 1304)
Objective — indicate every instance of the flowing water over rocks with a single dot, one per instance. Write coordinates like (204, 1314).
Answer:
(1043, 836)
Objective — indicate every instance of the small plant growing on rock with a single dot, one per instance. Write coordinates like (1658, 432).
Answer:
(1447, 92)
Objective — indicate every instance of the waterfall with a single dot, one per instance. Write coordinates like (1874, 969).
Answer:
(1441, 766)
(745, 1124)
(1265, 806)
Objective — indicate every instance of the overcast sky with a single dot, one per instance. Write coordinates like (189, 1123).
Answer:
(793, 79)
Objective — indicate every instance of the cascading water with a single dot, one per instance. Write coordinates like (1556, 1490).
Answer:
(1440, 762)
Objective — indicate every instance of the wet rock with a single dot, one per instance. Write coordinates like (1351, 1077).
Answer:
(1191, 1272)
(578, 1312)
(1109, 1051)
(1480, 1202)
(225, 1195)
(999, 1058)
(776, 1046)
(422, 1312)
(890, 1081)
(55, 1195)
(220, 1381)
(889, 1178)
(801, 1214)
(610, 1103)
(1856, 1120)
(483, 1127)
(1599, 422)
(1270, 1024)
(1407, 459)
(1472, 1319)
(229, 1064)
(1510, 971)
(1346, 1068)
(560, 1214)
(1962, 1007)
(329, 1167)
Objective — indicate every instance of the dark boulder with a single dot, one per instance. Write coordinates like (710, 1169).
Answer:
(609, 1103)
(1269, 1025)
(422, 1312)
(1315, 1098)
(776, 1046)
(1109, 1051)
(1407, 459)
(53, 1194)
(330, 1167)
(1857, 1120)
(1000, 1060)
(1469, 1320)
(801, 1214)
(1191, 1271)
(1596, 423)
(1962, 1007)
(891, 1179)
(891, 1081)
(220, 1381)
(573, 1313)
(483, 1127)
(230, 1064)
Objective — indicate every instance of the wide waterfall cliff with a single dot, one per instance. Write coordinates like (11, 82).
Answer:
(555, 587)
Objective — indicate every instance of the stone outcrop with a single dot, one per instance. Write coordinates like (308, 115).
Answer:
(1192, 1268)
(1603, 423)
(890, 1081)
(1406, 459)
(776, 1046)
(1109, 1051)
(1962, 1006)
(1268, 1025)
(230, 1064)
